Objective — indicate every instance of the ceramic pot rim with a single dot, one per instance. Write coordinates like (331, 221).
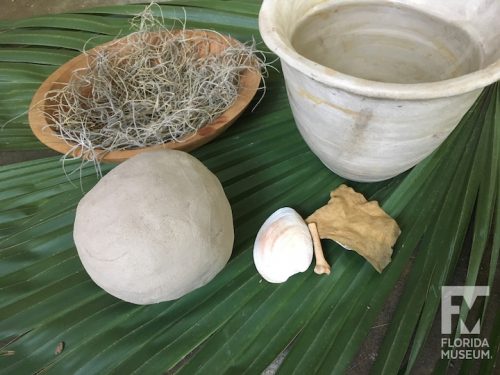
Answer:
(330, 77)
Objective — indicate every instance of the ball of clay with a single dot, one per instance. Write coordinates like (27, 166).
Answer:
(154, 228)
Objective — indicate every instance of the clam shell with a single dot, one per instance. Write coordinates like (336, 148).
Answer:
(283, 246)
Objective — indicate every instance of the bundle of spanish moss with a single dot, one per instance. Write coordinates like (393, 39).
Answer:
(159, 86)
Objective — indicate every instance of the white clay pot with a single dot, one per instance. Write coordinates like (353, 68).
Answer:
(376, 86)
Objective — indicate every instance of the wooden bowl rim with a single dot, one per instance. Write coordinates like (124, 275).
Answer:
(249, 84)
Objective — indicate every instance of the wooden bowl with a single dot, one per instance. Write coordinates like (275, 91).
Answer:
(40, 122)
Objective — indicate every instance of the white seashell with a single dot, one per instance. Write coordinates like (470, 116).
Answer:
(283, 246)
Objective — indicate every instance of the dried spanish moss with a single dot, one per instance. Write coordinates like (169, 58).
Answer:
(148, 91)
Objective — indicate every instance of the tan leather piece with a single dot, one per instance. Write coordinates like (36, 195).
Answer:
(356, 224)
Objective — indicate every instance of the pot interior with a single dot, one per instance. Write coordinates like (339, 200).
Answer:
(386, 42)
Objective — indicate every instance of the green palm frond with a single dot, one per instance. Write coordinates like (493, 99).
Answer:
(238, 323)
